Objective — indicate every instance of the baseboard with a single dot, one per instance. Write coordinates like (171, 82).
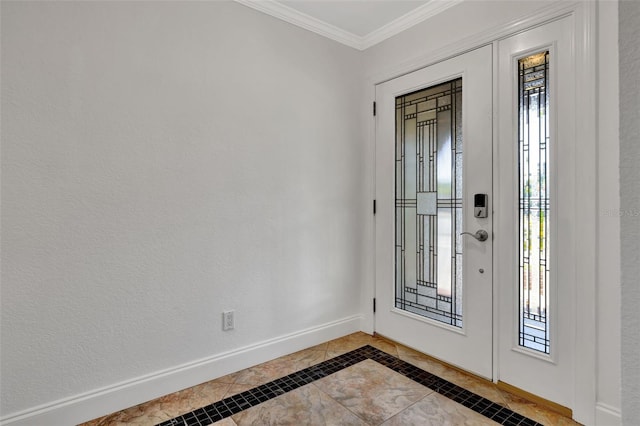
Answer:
(99, 402)
(607, 415)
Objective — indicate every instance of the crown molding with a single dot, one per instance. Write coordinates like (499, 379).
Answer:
(407, 21)
(292, 16)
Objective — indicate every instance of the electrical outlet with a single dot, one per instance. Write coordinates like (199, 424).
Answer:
(228, 320)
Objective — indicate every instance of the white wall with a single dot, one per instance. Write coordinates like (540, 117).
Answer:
(467, 22)
(630, 207)
(162, 162)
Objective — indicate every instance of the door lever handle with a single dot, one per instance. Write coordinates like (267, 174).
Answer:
(480, 235)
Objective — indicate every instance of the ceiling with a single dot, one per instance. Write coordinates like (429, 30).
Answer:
(356, 23)
(357, 17)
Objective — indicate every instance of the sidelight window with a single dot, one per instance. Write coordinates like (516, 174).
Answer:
(534, 207)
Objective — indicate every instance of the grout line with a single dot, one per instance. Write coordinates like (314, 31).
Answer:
(337, 402)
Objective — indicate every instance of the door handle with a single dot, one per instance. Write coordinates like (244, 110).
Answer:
(480, 235)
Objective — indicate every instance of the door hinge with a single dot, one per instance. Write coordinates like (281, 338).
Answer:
(374, 207)
(374, 109)
(374, 305)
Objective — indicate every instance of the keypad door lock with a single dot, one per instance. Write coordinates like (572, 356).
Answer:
(480, 205)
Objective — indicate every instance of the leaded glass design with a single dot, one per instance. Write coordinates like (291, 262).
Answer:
(428, 202)
(533, 165)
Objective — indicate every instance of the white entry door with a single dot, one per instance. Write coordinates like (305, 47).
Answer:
(433, 177)
(503, 307)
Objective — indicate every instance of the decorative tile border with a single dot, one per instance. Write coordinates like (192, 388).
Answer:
(234, 404)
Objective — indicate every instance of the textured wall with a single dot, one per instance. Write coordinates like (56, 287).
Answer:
(162, 162)
(630, 207)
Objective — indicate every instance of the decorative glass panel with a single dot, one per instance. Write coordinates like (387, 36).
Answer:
(534, 172)
(429, 202)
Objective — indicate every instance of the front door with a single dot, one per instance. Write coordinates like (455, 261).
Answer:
(434, 220)
(466, 218)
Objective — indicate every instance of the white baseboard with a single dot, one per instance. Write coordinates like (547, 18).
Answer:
(607, 415)
(99, 402)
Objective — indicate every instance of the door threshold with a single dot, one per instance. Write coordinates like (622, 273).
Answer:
(554, 406)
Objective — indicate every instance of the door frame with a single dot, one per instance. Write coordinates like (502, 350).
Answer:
(584, 18)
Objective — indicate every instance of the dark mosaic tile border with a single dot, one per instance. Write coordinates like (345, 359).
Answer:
(234, 404)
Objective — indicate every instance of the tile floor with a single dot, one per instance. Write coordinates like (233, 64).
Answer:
(365, 393)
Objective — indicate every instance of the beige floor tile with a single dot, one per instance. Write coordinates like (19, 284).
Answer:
(198, 396)
(305, 358)
(130, 416)
(229, 378)
(166, 407)
(238, 388)
(372, 391)
(333, 354)
(304, 406)
(404, 351)
(320, 347)
(271, 370)
(264, 373)
(385, 346)
(424, 362)
(354, 341)
(349, 342)
(437, 410)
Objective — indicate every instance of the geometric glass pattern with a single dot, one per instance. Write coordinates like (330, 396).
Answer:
(534, 208)
(428, 202)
